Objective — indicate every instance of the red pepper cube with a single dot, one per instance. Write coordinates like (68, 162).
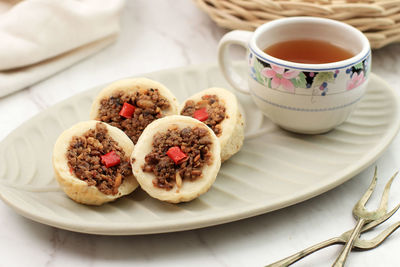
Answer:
(110, 159)
(176, 154)
(201, 114)
(127, 110)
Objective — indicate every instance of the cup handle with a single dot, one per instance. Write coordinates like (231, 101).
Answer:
(237, 37)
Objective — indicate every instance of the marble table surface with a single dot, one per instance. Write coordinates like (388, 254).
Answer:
(159, 35)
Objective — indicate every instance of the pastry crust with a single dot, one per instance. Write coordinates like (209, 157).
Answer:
(189, 190)
(131, 86)
(77, 189)
(232, 135)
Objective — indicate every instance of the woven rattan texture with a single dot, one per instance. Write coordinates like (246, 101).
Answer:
(379, 20)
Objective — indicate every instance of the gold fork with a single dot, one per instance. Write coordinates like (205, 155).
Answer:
(363, 216)
(343, 238)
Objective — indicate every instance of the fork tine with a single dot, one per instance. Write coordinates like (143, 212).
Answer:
(359, 244)
(374, 242)
(382, 219)
(385, 194)
(369, 191)
(363, 216)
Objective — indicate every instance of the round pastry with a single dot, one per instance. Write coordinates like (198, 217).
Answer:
(91, 163)
(132, 104)
(218, 109)
(176, 159)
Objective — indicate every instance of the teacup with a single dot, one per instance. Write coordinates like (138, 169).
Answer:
(303, 98)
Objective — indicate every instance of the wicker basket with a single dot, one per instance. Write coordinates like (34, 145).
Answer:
(379, 20)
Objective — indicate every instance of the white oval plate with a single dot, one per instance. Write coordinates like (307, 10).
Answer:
(273, 170)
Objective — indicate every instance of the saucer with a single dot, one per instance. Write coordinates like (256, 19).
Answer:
(273, 170)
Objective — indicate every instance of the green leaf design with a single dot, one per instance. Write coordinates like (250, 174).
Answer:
(299, 81)
(359, 66)
(258, 66)
(259, 78)
(321, 77)
(367, 70)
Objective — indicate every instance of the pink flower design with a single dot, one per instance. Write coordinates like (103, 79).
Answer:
(280, 77)
(356, 80)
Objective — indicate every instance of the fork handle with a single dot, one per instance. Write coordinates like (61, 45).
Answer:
(305, 252)
(341, 259)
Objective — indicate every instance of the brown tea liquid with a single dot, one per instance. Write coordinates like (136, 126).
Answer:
(308, 51)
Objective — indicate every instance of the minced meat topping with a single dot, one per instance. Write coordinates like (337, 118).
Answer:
(148, 107)
(194, 142)
(215, 110)
(84, 161)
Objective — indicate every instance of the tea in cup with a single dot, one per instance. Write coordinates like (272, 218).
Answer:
(306, 74)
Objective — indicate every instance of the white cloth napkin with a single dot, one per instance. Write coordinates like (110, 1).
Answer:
(41, 37)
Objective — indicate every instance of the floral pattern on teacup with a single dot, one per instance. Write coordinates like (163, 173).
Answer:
(355, 81)
(280, 77)
(358, 74)
(288, 80)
